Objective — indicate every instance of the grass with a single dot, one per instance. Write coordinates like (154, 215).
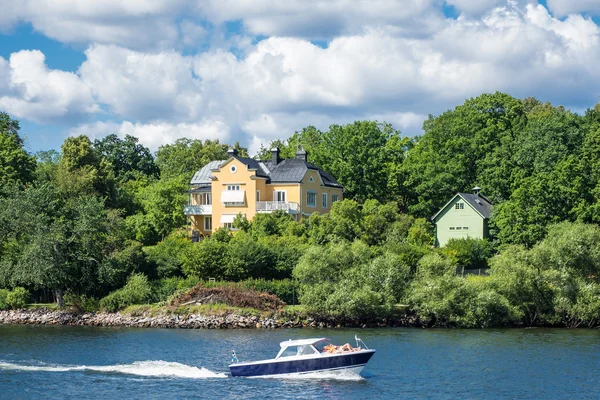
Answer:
(51, 306)
(153, 310)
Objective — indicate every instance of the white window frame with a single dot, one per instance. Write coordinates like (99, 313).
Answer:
(324, 200)
(233, 187)
(308, 196)
(207, 223)
(277, 197)
(459, 206)
(311, 179)
(228, 225)
(334, 198)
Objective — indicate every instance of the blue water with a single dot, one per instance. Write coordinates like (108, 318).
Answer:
(86, 362)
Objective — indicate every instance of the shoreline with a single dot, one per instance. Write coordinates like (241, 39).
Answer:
(45, 316)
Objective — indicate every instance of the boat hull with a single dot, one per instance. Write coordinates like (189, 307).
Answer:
(346, 362)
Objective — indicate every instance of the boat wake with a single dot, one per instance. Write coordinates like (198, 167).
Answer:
(139, 368)
(321, 375)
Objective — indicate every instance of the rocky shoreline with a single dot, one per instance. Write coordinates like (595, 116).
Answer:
(44, 316)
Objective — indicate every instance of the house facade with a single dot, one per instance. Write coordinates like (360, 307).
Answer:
(465, 215)
(221, 190)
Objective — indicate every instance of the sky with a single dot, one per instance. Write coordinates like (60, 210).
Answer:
(257, 70)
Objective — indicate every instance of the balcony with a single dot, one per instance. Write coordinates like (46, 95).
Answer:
(205, 209)
(270, 206)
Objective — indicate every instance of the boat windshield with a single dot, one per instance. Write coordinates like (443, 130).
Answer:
(320, 345)
(297, 351)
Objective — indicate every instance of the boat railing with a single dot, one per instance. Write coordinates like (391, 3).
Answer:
(359, 341)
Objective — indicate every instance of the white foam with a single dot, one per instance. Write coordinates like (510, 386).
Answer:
(341, 375)
(139, 368)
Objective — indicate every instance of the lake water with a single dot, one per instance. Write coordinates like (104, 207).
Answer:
(40, 362)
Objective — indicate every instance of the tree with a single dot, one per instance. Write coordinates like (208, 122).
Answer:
(462, 148)
(16, 165)
(186, 156)
(126, 157)
(361, 156)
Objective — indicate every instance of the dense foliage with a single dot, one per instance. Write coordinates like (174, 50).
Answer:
(104, 220)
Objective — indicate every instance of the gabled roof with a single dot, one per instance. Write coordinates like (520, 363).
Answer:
(290, 170)
(479, 203)
(202, 177)
(293, 170)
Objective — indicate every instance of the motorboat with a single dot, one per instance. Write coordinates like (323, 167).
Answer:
(307, 356)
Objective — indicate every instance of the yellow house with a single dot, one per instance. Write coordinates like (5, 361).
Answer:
(223, 189)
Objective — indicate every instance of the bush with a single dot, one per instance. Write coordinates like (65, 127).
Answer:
(82, 303)
(168, 255)
(469, 253)
(136, 291)
(3, 304)
(286, 289)
(163, 289)
(17, 298)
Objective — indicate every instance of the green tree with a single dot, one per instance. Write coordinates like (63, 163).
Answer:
(16, 165)
(126, 157)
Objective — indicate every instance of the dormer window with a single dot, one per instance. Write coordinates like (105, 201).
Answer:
(311, 179)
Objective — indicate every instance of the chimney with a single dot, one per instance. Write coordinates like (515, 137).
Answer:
(232, 152)
(301, 154)
(476, 190)
(275, 156)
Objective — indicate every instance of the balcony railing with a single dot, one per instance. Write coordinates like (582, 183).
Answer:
(270, 206)
(205, 209)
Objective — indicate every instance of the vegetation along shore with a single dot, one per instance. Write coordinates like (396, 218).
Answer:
(99, 228)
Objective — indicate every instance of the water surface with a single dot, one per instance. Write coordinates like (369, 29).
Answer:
(89, 362)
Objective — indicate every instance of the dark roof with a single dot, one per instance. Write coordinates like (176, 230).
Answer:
(200, 189)
(292, 170)
(289, 170)
(481, 204)
(251, 163)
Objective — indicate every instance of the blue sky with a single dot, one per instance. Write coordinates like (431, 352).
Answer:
(258, 70)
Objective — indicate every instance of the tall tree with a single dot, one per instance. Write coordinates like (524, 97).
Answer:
(126, 157)
(16, 165)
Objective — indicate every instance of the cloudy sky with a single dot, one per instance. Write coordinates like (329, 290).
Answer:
(256, 70)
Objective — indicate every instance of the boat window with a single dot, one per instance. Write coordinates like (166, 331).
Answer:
(321, 345)
(297, 351)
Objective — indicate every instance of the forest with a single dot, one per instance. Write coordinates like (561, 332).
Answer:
(100, 223)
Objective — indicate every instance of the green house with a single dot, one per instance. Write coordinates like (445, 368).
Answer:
(465, 215)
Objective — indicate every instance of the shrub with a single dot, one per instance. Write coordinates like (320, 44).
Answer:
(163, 289)
(17, 298)
(231, 294)
(137, 290)
(3, 304)
(469, 253)
(82, 303)
(168, 255)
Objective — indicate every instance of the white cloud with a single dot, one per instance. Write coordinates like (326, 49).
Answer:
(155, 134)
(29, 89)
(561, 8)
(475, 7)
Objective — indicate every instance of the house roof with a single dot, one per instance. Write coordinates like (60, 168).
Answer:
(290, 170)
(203, 175)
(479, 203)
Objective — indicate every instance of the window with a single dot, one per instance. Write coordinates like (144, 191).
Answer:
(459, 206)
(208, 223)
(334, 198)
(233, 169)
(258, 195)
(205, 199)
(279, 195)
(458, 228)
(311, 199)
(465, 228)
(233, 187)
(311, 180)
(228, 225)
(451, 228)
(324, 200)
